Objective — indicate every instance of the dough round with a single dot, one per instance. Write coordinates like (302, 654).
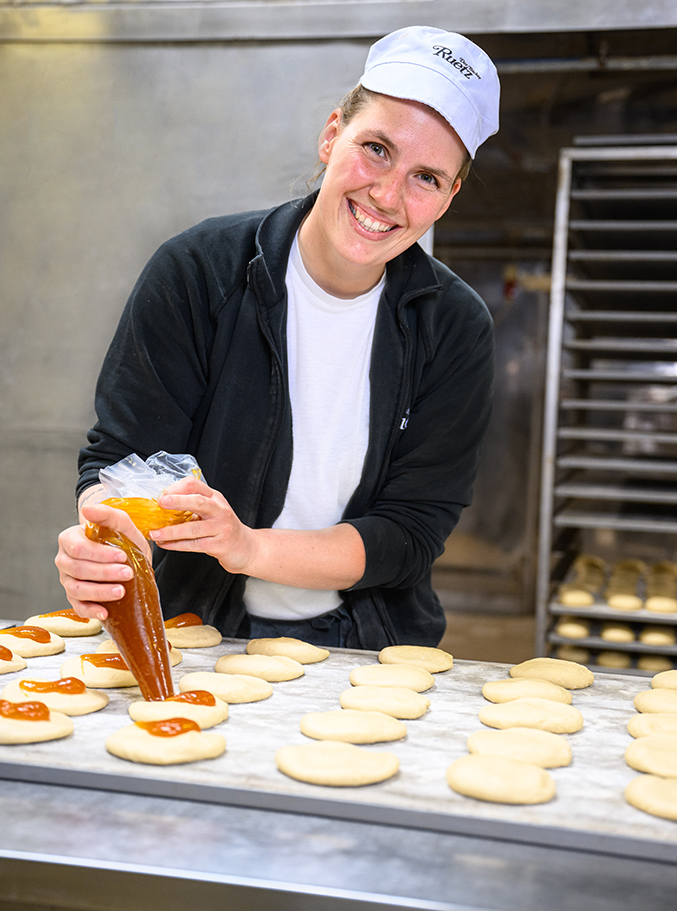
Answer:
(655, 754)
(543, 714)
(30, 648)
(205, 715)
(614, 659)
(66, 623)
(617, 632)
(661, 604)
(657, 635)
(660, 700)
(531, 745)
(573, 653)
(14, 730)
(336, 764)
(303, 652)
(572, 628)
(433, 660)
(524, 688)
(568, 674)
(652, 723)
(67, 703)
(96, 677)
(500, 780)
(9, 661)
(654, 663)
(273, 668)
(110, 647)
(413, 678)
(665, 680)
(654, 795)
(196, 636)
(138, 745)
(397, 701)
(230, 688)
(624, 601)
(352, 726)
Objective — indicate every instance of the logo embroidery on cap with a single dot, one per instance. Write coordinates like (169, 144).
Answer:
(458, 63)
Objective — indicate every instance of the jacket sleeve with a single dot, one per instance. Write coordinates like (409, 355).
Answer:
(433, 464)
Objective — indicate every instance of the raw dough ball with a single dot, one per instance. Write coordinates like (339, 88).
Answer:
(337, 764)
(206, 716)
(657, 635)
(524, 688)
(9, 661)
(654, 663)
(57, 700)
(110, 647)
(543, 714)
(654, 795)
(573, 628)
(665, 680)
(272, 668)
(655, 753)
(617, 632)
(573, 653)
(15, 730)
(230, 688)
(530, 745)
(138, 745)
(191, 634)
(18, 640)
(660, 700)
(568, 674)
(413, 678)
(433, 660)
(300, 651)
(352, 726)
(66, 623)
(398, 701)
(614, 659)
(621, 592)
(97, 677)
(652, 723)
(500, 780)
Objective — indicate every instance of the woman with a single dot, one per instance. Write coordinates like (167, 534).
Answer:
(332, 380)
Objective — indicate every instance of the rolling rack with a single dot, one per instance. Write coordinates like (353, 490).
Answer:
(609, 460)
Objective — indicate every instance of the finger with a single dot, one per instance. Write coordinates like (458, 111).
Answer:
(86, 592)
(89, 610)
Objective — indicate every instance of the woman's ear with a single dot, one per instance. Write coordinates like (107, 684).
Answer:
(329, 133)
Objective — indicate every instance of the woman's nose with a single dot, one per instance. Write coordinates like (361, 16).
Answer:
(387, 191)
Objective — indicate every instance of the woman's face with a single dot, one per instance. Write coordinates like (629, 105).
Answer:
(390, 173)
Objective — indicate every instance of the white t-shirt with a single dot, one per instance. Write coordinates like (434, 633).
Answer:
(329, 343)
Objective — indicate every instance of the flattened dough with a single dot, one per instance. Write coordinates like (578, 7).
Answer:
(205, 715)
(336, 764)
(413, 678)
(10, 662)
(666, 680)
(66, 625)
(573, 628)
(543, 714)
(29, 648)
(397, 701)
(654, 795)
(67, 703)
(652, 723)
(655, 754)
(199, 636)
(13, 730)
(659, 700)
(617, 632)
(541, 748)
(524, 688)
(610, 658)
(96, 677)
(110, 647)
(352, 726)
(433, 660)
(500, 780)
(574, 653)
(568, 674)
(137, 745)
(654, 663)
(231, 688)
(657, 635)
(303, 652)
(273, 668)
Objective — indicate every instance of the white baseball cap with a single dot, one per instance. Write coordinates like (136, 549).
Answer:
(444, 70)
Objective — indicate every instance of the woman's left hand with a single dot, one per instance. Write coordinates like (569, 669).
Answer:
(217, 531)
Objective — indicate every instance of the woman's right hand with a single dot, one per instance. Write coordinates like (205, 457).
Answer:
(93, 574)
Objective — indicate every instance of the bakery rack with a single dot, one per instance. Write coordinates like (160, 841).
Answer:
(609, 459)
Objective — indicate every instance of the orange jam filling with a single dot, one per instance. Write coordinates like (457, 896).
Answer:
(71, 686)
(67, 612)
(195, 697)
(36, 633)
(147, 515)
(101, 659)
(171, 727)
(183, 620)
(5, 653)
(24, 711)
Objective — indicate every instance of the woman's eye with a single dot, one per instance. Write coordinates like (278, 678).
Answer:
(376, 148)
(429, 179)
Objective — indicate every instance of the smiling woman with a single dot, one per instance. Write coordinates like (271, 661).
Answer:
(332, 380)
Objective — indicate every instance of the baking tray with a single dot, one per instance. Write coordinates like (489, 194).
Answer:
(588, 812)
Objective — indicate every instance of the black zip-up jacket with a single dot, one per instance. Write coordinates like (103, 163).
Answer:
(198, 365)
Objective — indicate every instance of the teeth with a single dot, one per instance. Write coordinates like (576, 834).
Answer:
(371, 225)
